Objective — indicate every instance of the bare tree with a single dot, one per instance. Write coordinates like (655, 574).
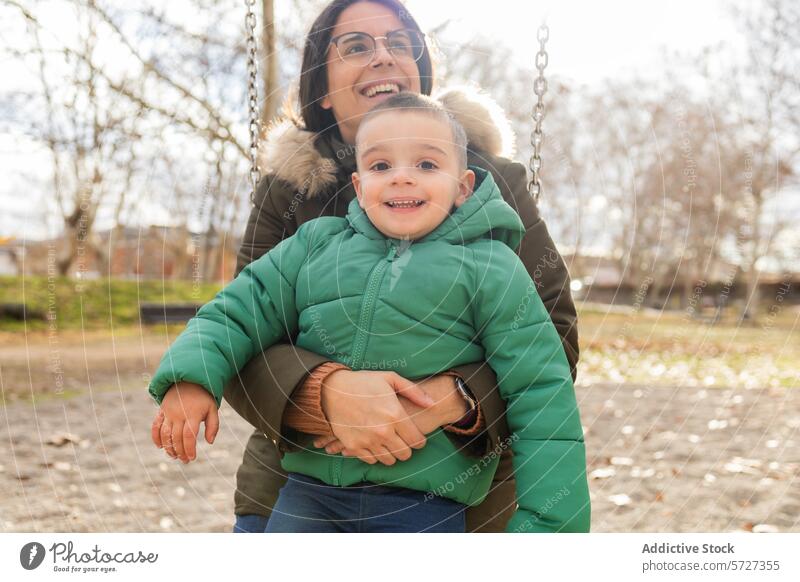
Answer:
(763, 101)
(688, 182)
(106, 125)
(87, 136)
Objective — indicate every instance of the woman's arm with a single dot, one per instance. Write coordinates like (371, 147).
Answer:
(449, 410)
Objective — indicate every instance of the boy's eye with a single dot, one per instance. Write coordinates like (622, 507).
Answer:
(427, 165)
(379, 167)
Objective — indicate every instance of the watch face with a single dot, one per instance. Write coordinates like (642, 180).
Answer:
(465, 393)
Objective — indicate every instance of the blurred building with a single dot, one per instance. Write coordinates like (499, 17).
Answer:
(154, 252)
(600, 279)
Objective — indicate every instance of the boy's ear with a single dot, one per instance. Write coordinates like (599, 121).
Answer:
(357, 187)
(465, 186)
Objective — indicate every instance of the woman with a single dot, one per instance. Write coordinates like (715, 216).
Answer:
(356, 51)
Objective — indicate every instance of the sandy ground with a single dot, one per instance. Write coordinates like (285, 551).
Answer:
(660, 458)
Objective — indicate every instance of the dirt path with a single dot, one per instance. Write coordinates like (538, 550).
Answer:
(661, 459)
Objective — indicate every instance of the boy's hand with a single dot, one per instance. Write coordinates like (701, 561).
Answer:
(177, 422)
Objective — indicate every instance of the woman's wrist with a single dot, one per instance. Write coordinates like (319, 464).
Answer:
(459, 406)
(305, 412)
(471, 421)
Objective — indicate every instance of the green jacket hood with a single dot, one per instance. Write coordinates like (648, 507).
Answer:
(484, 215)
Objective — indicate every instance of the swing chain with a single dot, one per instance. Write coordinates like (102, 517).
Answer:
(537, 114)
(252, 94)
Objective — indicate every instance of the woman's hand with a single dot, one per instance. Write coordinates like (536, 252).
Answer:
(367, 417)
(448, 407)
(177, 422)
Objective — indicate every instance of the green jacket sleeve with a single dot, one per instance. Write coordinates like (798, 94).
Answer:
(544, 264)
(524, 349)
(542, 260)
(254, 311)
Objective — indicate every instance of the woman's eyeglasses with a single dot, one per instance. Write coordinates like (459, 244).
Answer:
(359, 48)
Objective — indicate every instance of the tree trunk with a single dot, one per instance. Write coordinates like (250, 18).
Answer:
(270, 63)
(652, 297)
(750, 309)
(68, 251)
(77, 227)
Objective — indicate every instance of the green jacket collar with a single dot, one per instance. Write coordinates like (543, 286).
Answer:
(484, 214)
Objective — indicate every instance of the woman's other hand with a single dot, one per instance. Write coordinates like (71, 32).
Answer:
(367, 417)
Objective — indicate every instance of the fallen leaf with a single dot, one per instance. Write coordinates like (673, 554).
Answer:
(637, 472)
(61, 439)
(602, 473)
(625, 461)
(734, 467)
(620, 499)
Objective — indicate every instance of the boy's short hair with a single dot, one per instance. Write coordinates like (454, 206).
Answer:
(407, 101)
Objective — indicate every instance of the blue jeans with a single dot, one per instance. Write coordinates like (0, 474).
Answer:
(250, 523)
(308, 505)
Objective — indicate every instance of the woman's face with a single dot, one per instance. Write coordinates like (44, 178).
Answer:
(348, 84)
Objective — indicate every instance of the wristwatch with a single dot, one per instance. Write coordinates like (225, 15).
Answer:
(466, 394)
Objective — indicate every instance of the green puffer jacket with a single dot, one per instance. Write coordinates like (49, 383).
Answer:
(458, 295)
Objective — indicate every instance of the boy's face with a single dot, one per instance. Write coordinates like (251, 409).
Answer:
(409, 176)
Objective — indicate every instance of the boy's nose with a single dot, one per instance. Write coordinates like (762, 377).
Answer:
(402, 175)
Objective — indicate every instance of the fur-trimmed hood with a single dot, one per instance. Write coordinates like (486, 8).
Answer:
(287, 151)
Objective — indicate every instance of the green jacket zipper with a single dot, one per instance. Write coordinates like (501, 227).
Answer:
(368, 308)
(360, 343)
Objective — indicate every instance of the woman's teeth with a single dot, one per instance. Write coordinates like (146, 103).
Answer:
(385, 88)
(405, 203)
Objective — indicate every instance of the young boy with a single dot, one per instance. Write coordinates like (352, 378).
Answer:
(420, 277)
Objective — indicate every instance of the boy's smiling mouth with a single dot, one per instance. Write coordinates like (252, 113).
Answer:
(405, 203)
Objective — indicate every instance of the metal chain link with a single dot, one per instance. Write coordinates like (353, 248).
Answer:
(537, 115)
(252, 94)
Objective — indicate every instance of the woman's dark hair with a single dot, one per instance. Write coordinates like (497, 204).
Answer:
(313, 73)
